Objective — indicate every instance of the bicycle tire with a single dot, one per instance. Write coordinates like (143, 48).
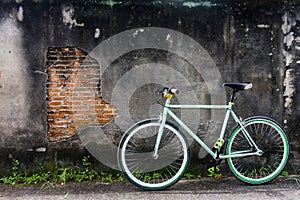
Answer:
(136, 161)
(271, 138)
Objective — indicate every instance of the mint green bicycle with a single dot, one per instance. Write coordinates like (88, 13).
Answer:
(153, 154)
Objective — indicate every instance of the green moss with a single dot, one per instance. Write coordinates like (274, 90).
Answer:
(207, 4)
(110, 3)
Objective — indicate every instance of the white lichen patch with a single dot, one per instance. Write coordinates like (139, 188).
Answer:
(290, 42)
(137, 32)
(288, 58)
(288, 39)
(20, 14)
(68, 14)
(97, 33)
(288, 23)
(290, 89)
(263, 26)
(168, 37)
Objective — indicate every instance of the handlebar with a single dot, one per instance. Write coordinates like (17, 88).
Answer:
(168, 93)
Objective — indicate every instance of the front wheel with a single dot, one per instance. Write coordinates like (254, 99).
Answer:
(146, 170)
(269, 137)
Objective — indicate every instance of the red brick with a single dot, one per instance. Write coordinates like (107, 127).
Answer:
(73, 93)
(54, 103)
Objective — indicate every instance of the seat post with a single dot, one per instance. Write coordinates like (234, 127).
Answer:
(233, 95)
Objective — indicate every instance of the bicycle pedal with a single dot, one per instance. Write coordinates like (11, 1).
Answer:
(219, 143)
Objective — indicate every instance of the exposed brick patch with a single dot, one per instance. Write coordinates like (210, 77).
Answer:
(73, 93)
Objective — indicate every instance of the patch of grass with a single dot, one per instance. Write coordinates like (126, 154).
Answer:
(190, 175)
(284, 173)
(15, 176)
(59, 174)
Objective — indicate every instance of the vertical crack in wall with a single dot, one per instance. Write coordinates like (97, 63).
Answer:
(73, 93)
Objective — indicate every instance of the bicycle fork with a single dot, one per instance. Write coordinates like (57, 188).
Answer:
(162, 120)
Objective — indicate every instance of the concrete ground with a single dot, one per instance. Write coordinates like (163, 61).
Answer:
(285, 188)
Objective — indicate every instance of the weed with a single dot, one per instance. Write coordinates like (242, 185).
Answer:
(37, 178)
(16, 177)
(189, 176)
(46, 185)
(120, 177)
(295, 167)
(67, 195)
(284, 173)
(59, 173)
(296, 179)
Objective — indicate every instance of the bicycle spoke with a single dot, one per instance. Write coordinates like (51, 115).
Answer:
(139, 164)
(270, 139)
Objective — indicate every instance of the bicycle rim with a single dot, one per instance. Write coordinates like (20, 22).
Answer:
(137, 161)
(271, 139)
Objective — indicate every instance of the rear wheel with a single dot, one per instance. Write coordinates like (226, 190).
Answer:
(270, 137)
(138, 162)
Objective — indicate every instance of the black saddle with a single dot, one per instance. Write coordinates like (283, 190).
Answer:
(239, 86)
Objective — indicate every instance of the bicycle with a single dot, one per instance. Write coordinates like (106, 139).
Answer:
(153, 154)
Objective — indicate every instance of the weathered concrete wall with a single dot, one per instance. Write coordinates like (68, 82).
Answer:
(290, 30)
(22, 93)
(245, 40)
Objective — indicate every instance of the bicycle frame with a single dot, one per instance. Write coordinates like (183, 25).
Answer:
(215, 155)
